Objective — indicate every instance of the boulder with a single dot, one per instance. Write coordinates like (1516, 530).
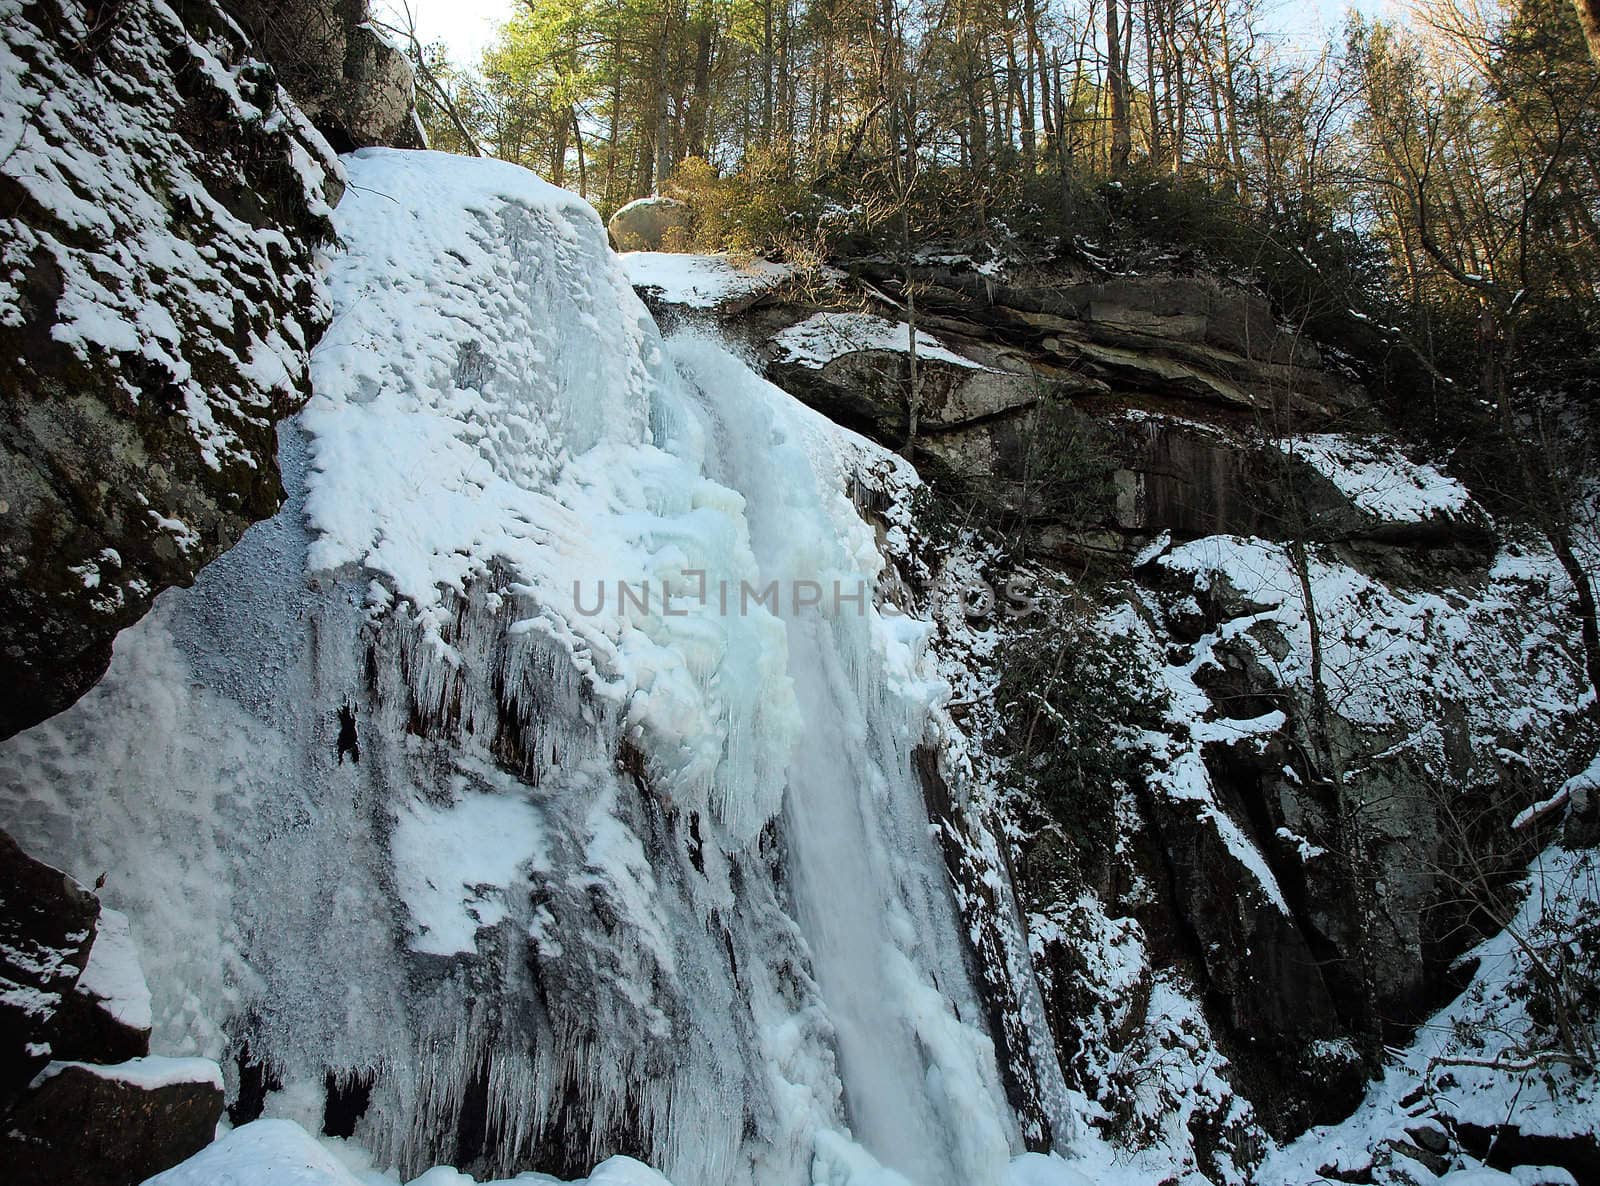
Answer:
(158, 300)
(355, 84)
(47, 925)
(651, 224)
(85, 1125)
(70, 982)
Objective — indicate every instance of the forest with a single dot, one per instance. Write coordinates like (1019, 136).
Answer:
(1429, 159)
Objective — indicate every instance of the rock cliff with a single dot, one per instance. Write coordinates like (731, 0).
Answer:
(164, 197)
(1324, 736)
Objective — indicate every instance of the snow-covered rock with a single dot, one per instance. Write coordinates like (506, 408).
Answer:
(157, 307)
(823, 337)
(87, 1124)
(701, 282)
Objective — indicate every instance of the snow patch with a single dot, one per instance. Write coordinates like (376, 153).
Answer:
(1377, 477)
(823, 337)
(701, 281)
(147, 1074)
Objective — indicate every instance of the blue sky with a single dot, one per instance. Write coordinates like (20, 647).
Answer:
(467, 25)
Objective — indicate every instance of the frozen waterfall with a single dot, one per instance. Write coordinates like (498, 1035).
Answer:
(654, 877)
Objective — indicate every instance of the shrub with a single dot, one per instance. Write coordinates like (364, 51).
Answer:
(1075, 701)
(759, 209)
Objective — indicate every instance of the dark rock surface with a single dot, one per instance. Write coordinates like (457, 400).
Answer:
(352, 83)
(70, 984)
(79, 1100)
(47, 923)
(121, 1123)
(163, 200)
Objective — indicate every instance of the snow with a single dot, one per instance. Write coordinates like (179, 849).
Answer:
(646, 202)
(702, 281)
(1377, 477)
(1152, 550)
(427, 474)
(823, 337)
(150, 1073)
(454, 863)
(31, 1002)
(994, 267)
(275, 1152)
(1390, 653)
(261, 1153)
(113, 977)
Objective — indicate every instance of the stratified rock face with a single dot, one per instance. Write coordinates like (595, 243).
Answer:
(157, 304)
(86, 1125)
(1180, 395)
(1178, 380)
(354, 84)
(1210, 345)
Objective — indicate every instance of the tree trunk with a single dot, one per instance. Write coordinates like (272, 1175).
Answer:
(1589, 18)
(612, 148)
(914, 388)
(583, 167)
(766, 72)
(1117, 84)
(700, 97)
(1583, 588)
(663, 131)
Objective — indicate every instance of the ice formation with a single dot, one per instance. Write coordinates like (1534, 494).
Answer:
(396, 804)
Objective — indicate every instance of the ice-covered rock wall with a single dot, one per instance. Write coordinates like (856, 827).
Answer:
(538, 784)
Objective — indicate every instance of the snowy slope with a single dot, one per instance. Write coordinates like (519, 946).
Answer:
(1486, 1059)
